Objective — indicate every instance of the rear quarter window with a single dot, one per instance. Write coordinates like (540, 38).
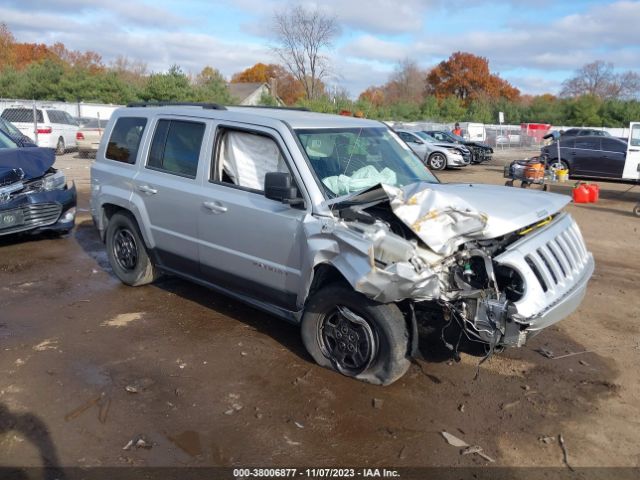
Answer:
(125, 139)
(176, 147)
(22, 115)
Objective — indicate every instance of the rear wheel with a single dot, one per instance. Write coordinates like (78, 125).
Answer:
(437, 161)
(60, 147)
(127, 251)
(347, 332)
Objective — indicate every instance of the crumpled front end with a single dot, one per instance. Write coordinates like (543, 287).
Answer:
(501, 276)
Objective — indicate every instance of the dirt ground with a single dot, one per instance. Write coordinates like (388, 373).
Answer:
(88, 364)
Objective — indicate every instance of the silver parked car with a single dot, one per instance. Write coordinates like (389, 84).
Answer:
(436, 155)
(334, 224)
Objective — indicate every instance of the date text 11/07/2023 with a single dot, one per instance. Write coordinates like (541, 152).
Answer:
(240, 473)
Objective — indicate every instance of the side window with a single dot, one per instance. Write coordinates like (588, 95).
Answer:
(610, 145)
(53, 116)
(70, 119)
(125, 139)
(588, 143)
(635, 136)
(176, 147)
(243, 158)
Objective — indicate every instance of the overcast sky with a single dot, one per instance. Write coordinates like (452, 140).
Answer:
(534, 44)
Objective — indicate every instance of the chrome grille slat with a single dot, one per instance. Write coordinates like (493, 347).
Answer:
(36, 215)
(551, 260)
(551, 263)
(560, 257)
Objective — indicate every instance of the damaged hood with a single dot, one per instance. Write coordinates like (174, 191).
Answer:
(444, 216)
(32, 162)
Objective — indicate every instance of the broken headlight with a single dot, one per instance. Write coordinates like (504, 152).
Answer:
(55, 181)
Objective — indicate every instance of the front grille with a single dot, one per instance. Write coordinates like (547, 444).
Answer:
(552, 260)
(34, 216)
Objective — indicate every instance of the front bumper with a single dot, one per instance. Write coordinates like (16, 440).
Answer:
(565, 306)
(35, 212)
(455, 160)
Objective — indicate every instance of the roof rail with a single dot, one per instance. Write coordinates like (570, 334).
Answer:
(209, 106)
(299, 109)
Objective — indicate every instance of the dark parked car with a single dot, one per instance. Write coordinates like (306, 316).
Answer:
(589, 155)
(583, 132)
(34, 196)
(480, 152)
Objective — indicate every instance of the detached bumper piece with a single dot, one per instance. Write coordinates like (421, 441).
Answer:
(39, 211)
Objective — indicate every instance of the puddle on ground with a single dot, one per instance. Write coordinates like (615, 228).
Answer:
(188, 441)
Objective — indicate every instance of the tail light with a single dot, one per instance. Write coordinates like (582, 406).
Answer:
(43, 130)
(79, 136)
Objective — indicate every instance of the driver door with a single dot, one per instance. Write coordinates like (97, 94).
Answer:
(631, 169)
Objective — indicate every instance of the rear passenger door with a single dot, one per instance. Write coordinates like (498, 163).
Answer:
(250, 244)
(611, 163)
(167, 187)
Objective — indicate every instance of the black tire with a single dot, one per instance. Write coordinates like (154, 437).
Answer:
(83, 154)
(336, 337)
(127, 251)
(437, 161)
(60, 147)
(636, 210)
(508, 183)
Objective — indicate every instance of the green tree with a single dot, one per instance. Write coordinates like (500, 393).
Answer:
(172, 86)
(584, 111)
(211, 87)
(452, 109)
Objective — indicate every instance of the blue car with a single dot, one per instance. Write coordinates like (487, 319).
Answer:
(34, 196)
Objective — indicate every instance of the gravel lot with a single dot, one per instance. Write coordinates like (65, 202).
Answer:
(88, 364)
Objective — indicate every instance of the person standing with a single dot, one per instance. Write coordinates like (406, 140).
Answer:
(457, 130)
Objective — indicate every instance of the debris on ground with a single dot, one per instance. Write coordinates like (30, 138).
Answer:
(565, 455)
(582, 362)
(402, 454)
(545, 352)
(461, 407)
(478, 451)
(302, 379)
(507, 406)
(466, 448)
(298, 424)
(291, 442)
(453, 440)
(139, 441)
(546, 439)
(377, 403)
(131, 389)
(526, 388)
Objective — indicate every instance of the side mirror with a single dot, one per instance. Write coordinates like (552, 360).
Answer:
(279, 186)
(419, 142)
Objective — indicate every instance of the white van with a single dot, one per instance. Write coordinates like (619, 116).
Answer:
(474, 132)
(50, 128)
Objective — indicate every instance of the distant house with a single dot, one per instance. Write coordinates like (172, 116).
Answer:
(251, 93)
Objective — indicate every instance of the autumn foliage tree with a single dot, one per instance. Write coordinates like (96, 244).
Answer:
(467, 77)
(288, 88)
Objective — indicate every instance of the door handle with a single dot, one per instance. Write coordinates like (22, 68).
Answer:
(147, 189)
(214, 207)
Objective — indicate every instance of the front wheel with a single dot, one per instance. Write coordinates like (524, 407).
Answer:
(636, 210)
(437, 161)
(127, 251)
(347, 332)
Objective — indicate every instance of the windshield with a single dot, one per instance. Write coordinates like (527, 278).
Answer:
(6, 141)
(456, 137)
(349, 160)
(426, 137)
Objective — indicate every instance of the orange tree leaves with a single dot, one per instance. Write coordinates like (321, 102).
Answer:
(467, 77)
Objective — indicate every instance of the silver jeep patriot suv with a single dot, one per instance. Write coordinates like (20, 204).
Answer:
(334, 224)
